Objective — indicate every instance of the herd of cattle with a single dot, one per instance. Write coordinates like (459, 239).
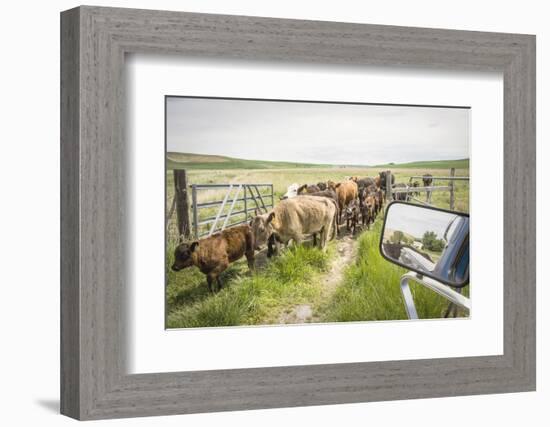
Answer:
(308, 210)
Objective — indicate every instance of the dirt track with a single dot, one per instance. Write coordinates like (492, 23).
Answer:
(346, 247)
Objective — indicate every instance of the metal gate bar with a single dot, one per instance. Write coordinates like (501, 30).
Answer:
(221, 210)
(239, 188)
(247, 194)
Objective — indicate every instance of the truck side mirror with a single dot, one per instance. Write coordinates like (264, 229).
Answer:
(430, 241)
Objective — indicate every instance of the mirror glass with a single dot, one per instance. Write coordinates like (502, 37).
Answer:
(430, 241)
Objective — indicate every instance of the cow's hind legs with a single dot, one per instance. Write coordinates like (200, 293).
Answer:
(323, 238)
(273, 246)
(250, 259)
(297, 239)
(210, 279)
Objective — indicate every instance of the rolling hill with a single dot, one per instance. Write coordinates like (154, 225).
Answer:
(207, 161)
(429, 164)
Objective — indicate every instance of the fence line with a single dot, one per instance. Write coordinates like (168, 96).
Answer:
(252, 199)
(411, 189)
(444, 178)
(451, 188)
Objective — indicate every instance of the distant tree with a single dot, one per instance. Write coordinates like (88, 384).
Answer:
(431, 242)
(428, 238)
(438, 245)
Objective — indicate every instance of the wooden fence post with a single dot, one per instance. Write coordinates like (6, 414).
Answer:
(388, 186)
(182, 204)
(452, 190)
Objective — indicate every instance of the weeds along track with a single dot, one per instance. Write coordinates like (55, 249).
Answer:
(345, 252)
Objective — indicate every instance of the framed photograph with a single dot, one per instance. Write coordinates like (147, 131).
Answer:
(262, 213)
(270, 174)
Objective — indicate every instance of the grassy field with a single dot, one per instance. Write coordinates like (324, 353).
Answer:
(368, 288)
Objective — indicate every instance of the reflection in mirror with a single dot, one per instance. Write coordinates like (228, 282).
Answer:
(429, 241)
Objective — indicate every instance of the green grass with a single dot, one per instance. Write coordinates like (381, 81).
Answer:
(370, 289)
(245, 299)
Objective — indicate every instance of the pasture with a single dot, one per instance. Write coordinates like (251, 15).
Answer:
(350, 282)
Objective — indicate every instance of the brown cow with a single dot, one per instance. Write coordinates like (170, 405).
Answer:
(346, 192)
(380, 197)
(382, 177)
(365, 191)
(363, 182)
(352, 215)
(368, 208)
(308, 189)
(373, 191)
(427, 180)
(402, 196)
(212, 255)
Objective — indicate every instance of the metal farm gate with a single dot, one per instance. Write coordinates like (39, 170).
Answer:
(232, 209)
(213, 207)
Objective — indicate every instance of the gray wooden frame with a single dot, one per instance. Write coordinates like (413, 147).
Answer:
(94, 383)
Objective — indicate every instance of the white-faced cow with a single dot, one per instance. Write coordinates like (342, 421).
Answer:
(291, 191)
(295, 189)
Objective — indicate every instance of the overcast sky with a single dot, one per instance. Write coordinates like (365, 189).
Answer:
(326, 133)
(416, 221)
